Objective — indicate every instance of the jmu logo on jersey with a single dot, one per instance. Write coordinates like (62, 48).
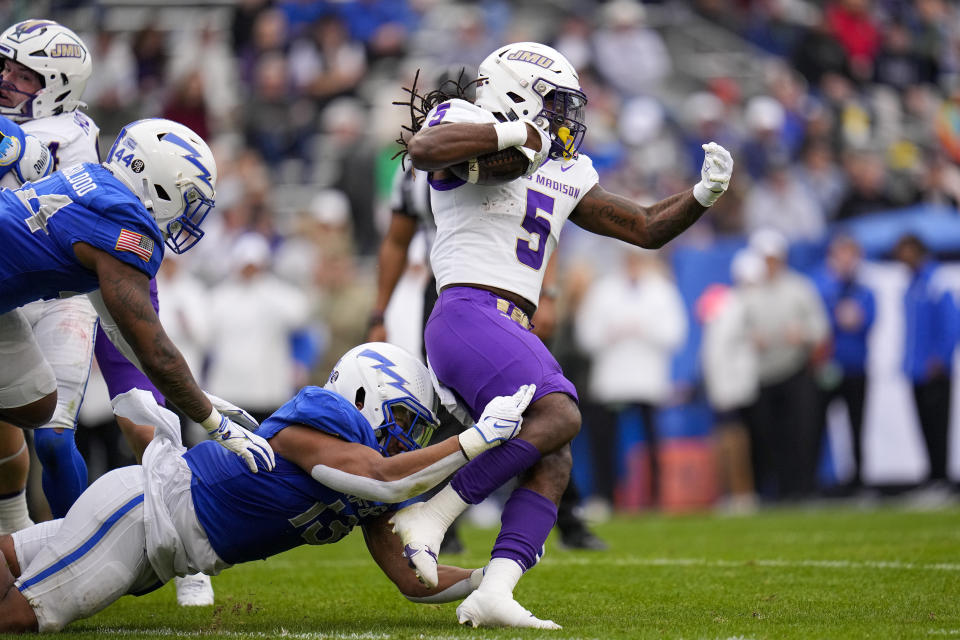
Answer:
(523, 55)
(65, 50)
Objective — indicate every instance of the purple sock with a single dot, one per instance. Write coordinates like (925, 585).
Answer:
(525, 524)
(488, 471)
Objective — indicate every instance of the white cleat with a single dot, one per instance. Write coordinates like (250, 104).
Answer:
(421, 533)
(489, 609)
(194, 591)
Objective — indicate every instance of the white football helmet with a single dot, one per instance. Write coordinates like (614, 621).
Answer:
(172, 170)
(394, 389)
(61, 59)
(533, 81)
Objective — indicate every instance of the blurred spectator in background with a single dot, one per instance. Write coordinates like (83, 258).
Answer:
(853, 25)
(631, 322)
(869, 187)
(623, 36)
(821, 178)
(781, 201)
(765, 118)
(323, 227)
(851, 309)
(252, 316)
(277, 125)
(930, 326)
(787, 323)
(187, 104)
(326, 63)
(729, 360)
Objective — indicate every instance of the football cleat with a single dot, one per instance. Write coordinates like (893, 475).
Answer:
(194, 591)
(421, 533)
(491, 609)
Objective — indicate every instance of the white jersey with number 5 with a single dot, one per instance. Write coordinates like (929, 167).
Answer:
(501, 236)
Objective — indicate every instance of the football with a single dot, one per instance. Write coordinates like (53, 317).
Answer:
(494, 168)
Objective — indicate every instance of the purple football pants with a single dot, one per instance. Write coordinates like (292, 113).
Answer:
(480, 352)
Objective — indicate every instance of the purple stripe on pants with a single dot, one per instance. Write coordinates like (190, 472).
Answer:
(118, 372)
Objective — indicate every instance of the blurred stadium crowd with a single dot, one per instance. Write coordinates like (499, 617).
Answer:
(835, 111)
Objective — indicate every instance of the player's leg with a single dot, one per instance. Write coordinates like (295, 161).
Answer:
(16, 614)
(28, 387)
(14, 466)
(97, 554)
(481, 353)
(65, 331)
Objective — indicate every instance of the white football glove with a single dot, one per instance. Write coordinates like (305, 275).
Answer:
(501, 420)
(536, 158)
(714, 175)
(240, 441)
(232, 411)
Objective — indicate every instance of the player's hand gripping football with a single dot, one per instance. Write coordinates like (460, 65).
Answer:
(500, 421)
(224, 426)
(714, 175)
(536, 158)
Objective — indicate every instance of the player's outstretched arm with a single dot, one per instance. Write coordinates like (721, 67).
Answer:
(358, 470)
(125, 297)
(386, 549)
(651, 227)
(125, 292)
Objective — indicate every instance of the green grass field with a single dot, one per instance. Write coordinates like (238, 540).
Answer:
(797, 573)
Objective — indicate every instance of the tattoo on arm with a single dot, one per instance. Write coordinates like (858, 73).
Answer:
(127, 296)
(650, 227)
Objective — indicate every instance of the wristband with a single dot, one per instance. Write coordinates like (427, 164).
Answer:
(705, 196)
(212, 422)
(510, 134)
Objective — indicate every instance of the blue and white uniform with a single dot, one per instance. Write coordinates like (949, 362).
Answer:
(39, 224)
(63, 329)
(186, 511)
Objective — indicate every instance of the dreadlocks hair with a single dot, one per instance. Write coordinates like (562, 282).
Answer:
(420, 105)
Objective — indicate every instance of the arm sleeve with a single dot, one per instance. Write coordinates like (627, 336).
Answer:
(390, 492)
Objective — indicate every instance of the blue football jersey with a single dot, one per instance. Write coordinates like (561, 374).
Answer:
(41, 221)
(250, 516)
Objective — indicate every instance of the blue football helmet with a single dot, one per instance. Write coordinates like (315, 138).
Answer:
(392, 389)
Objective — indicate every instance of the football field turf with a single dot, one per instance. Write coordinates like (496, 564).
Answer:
(834, 572)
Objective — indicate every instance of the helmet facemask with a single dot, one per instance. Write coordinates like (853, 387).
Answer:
(563, 109)
(184, 231)
(407, 425)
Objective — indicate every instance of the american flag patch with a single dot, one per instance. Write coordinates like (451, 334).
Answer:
(138, 244)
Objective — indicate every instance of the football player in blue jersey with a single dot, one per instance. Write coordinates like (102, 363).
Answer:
(100, 230)
(345, 455)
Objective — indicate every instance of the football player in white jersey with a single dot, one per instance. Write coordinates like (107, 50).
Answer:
(492, 245)
(45, 69)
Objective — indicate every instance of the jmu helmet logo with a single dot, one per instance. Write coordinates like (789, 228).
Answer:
(522, 55)
(64, 50)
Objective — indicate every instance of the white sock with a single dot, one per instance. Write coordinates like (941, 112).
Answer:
(13, 513)
(447, 505)
(501, 575)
